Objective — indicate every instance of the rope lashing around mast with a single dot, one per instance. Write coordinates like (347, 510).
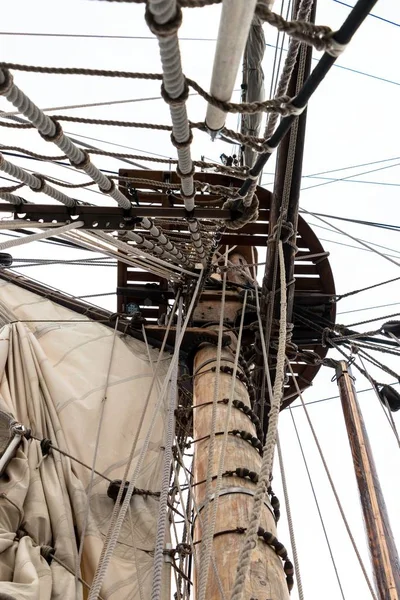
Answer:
(269, 448)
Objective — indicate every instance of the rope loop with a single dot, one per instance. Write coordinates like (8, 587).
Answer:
(45, 446)
(163, 30)
(7, 82)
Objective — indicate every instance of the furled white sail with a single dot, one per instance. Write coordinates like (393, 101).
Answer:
(53, 372)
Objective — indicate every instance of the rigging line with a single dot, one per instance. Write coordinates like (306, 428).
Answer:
(95, 454)
(354, 238)
(333, 487)
(90, 105)
(370, 287)
(67, 568)
(361, 222)
(165, 476)
(345, 312)
(354, 70)
(181, 39)
(114, 516)
(349, 246)
(290, 520)
(100, 36)
(370, 14)
(116, 523)
(332, 179)
(367, 164)
(372, 320)
(310, 187)
(321, 518)
(387, 412)
(196, 510)
(243, 564)
(336, 397)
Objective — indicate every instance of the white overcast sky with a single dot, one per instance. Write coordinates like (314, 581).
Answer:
(352, 119)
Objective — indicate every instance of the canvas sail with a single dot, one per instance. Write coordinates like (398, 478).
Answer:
(53, 368)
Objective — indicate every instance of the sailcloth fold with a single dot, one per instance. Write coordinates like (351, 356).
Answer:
(53, 372)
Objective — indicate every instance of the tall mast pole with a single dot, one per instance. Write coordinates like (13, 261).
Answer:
(267, 577)
(385, 559)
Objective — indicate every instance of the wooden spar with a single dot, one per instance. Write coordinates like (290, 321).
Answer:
(384, 555)
(266, 578)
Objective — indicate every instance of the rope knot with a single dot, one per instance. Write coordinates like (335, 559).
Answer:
(241, 214)
(47, 552)
(326, 336)
(45, 446)
(163, 30)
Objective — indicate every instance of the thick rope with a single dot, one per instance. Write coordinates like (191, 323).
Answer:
(166, 472)
(95, 453)
(280, 105)
(290, 522)
(35, 181)
(269, 448)
(51, 131)
(42, 235)
(115, 525)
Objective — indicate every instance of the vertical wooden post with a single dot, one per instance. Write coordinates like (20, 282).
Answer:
(266, 578)
(384, 555)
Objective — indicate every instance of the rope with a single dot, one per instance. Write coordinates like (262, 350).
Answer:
(117, 521)
(51, 131)
(166, 470)
(41, 235)
(268, 451)
(95, 453)
(318, 506)
(276, 104)
(36, 182)
(333, 487)
(290, 521)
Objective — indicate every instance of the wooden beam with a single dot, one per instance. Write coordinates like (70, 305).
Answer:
(385, 559)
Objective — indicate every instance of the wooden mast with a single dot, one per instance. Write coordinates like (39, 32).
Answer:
(266, 578)
(384, 555)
